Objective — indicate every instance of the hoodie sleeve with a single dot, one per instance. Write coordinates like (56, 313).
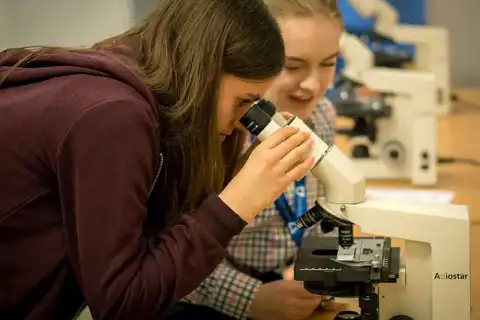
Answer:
(105, 167)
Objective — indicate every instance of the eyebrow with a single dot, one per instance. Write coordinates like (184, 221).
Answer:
(331, 56)
(296, 59)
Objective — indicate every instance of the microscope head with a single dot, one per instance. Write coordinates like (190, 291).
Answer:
(358, 59)
(343, 182)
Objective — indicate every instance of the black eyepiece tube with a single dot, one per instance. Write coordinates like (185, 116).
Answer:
(256, 119)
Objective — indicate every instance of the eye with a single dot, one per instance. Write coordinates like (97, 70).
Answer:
(291, 68)
(243, 102)
(328, 64)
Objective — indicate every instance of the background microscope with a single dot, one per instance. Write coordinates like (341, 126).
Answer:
(394, 132)
(431, 45)
(416, 282)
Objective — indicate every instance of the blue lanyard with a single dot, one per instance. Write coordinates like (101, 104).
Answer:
(300, 207)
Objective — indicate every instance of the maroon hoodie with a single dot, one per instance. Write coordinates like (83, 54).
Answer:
(79, 152)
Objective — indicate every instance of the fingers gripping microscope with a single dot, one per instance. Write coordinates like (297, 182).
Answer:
(415, 284)
(394, 136)
(431, 45)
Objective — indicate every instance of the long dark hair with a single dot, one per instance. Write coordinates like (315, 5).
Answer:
(183, 48)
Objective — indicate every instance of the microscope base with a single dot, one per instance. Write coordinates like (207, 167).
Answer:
(352, 315)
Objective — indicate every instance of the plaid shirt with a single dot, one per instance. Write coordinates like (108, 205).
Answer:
(265, 245)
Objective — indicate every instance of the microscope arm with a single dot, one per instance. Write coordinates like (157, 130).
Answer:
(386, 17)
(357, 56)
(401, 219)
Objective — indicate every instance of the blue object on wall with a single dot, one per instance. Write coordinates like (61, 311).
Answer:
(353, 22)
(410, 12)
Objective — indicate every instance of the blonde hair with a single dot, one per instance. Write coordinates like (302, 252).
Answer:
(293, 8)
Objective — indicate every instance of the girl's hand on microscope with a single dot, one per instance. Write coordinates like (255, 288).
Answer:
(274, 164)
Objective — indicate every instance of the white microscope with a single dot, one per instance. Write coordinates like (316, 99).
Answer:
(429, 281)
(395, 137)
(431, 45)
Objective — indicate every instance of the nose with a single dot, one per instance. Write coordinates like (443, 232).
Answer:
(312, 83)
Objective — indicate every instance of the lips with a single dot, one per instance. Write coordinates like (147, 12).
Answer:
(302, 100)
(306, 98)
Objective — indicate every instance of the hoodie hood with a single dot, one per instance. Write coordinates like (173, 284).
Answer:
(53, 63)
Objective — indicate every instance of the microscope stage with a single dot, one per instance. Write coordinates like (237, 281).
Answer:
(362, 108)
(328, 269)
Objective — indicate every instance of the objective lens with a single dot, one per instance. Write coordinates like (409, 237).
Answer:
(255, 119)
(326, 226)
(311, 217)
(345, 236)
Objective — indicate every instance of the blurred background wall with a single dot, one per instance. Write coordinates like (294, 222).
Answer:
(73, 22)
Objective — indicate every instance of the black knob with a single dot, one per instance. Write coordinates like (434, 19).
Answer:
(394, 154)
(347, 315)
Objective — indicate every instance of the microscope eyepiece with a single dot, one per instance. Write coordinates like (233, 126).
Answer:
(256, 119)
(267, 106)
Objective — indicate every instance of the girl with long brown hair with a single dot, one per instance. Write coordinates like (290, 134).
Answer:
(120, 185)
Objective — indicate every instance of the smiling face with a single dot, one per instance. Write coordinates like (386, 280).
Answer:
(235, 97)
(312, 45)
